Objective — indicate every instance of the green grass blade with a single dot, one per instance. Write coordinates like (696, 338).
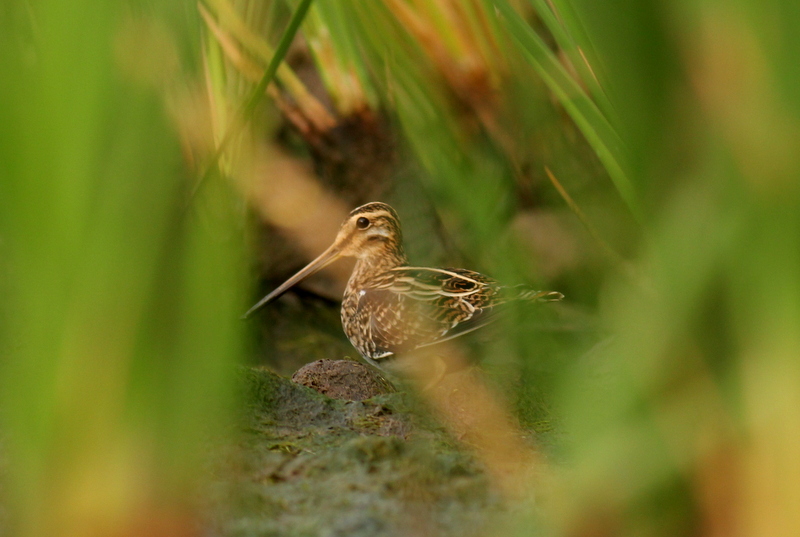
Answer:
(277, 58)
(571, 21)
(258, 46)
(564, 35)
(593, 124)
(258, 92)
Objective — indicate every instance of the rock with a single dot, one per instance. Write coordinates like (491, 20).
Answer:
(342, 379)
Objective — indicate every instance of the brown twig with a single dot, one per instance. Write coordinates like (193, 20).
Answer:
(617, 259)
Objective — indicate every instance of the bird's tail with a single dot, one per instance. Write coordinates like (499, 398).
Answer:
(526, 293)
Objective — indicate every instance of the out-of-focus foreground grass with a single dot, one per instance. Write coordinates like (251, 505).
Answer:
(671, 126)
(120, 306)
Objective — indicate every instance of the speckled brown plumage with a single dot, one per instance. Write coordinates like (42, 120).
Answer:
(389, 307)
(405, 308)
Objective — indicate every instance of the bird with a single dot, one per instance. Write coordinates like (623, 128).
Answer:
(390, 308)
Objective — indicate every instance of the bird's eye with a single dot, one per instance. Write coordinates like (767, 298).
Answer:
(362, 223)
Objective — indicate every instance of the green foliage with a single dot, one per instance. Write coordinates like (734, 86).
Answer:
(120, 310)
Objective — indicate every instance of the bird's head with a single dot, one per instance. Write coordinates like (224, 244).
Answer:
(370, 233)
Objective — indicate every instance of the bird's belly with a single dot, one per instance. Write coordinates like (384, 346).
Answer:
(355, 324)
(368, 318)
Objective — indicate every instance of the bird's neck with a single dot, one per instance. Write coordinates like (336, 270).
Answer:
(376, 264)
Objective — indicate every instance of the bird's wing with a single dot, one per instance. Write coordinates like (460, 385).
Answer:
(411, 307)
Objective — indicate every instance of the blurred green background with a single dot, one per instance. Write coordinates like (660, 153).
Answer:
(640, 157)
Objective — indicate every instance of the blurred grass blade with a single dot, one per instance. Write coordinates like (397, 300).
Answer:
(339, 61)
(565, 38)
(118, 377)
(231, 21)
(595, 127)
(258, 92)
(607, 250)
(571, 22)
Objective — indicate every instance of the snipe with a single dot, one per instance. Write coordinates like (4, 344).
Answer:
(390, 308)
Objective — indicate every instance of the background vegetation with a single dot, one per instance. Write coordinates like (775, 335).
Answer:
(640, 157)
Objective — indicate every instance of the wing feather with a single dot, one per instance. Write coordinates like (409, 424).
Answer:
(411, 307)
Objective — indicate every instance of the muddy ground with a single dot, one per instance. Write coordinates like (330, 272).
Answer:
(306, 464)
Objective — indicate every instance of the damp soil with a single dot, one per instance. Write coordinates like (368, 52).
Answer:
(307, 464)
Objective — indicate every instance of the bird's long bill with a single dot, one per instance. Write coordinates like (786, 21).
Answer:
(326, 258)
